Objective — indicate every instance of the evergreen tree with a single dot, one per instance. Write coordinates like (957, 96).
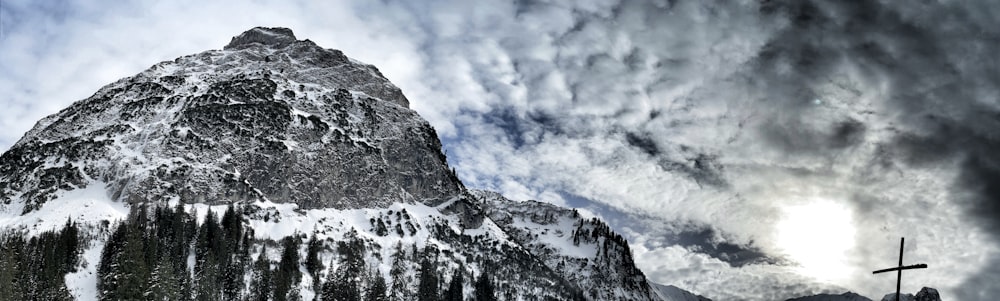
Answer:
(341, 287)
(35, 268)
(427, 290)
(164, 283)
(313, 264)
(287, 275)
(11, 275)
(234, 258)
(183, 229)
(70, 244)
(108, 268)
(209, 254)
(260, 278)
(232, 276)
(345, 284)
(330, 286)
(377, 290)
(484, 289)
(400, 284)
(124, 270)
(455, 287)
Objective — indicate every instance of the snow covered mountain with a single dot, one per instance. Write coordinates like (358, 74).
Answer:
(848, 296)
(670, 292)
(274, 169)
(268, 117)
(583, 251)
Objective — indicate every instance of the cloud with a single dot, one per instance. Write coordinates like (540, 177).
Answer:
(673, 118)
(939, 98)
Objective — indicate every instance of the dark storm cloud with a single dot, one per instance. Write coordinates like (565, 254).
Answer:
(939, 62)
(701, 168)
(643, 142)
(702, 239)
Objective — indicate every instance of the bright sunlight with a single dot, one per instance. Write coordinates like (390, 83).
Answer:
(817, 235)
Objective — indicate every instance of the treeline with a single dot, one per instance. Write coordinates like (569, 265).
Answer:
(147, 255)
(35, 268)
(163, 253)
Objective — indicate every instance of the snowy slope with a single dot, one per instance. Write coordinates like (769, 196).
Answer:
(89, 204)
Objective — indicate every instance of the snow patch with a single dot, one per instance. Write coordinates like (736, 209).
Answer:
(88, 205)
(82, 283)
(557, 236)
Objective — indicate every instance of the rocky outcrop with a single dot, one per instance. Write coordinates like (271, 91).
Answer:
(928, 294)
(269, 117)
(925, 294)
(265, 36)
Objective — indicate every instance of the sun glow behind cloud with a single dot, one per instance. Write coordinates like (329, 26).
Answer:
(818, 235)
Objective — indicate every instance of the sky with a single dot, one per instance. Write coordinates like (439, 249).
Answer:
(755, 150)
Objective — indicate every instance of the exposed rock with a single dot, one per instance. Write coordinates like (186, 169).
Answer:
(925, 294)
(269, 117)
(928, 294)
(276, 37)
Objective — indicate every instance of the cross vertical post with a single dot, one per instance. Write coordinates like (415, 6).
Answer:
(899, 273)
(899, 269)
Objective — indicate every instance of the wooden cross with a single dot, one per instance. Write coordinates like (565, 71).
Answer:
(899, 269)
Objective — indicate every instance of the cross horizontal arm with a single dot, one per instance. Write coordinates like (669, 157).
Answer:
(915, 266)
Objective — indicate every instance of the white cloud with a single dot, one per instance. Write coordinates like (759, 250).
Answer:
(672, 112)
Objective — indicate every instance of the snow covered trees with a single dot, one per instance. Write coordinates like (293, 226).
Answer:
(164, 253)
(146, 257)
(34, 268)
(287, 275)
(484, 289)
(427, 290)
(260, 277)
(455, 287)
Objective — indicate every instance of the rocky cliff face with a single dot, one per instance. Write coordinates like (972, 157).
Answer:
(268, 117)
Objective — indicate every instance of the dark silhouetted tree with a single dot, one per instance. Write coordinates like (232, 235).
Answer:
(287, 275)
(427, 289)
(484, 288)
(400, 283)
(377, 290)
(454, 291)
(260, 277)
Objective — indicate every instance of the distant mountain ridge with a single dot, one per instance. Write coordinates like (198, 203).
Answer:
(925, 294)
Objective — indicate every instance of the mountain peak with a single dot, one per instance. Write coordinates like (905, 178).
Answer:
(268, 118)
(275, 37)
